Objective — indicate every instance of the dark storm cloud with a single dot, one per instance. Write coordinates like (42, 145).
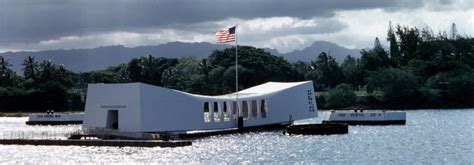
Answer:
(35, 20)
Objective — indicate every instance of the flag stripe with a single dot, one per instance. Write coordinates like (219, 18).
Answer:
(226, 35)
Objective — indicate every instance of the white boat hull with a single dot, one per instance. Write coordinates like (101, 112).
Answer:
(54, 119)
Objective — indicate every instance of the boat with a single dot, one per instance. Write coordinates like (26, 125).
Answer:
(50, 118)
(366, 117)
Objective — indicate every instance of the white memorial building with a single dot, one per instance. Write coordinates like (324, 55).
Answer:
(139, 107)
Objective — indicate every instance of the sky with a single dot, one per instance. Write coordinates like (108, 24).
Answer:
(285, 25)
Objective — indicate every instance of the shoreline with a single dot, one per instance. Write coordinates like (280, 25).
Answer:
(25, 114)
(433, 109)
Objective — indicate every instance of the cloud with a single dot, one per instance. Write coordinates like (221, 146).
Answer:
(284, 33)
(281, 24)
(365, 25)
(26, 21)
(261, 32)
(129, 39)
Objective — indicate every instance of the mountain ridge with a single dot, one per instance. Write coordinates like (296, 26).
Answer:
(84, 60)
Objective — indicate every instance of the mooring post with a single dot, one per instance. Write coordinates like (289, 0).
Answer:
(240, 123)
(290, 121)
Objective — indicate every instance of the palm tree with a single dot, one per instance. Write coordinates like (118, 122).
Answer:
(5, 73)
(30, 68)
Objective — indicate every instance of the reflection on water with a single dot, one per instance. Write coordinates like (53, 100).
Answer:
(441, 136)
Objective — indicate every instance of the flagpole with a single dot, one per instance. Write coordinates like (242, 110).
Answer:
(237, 73)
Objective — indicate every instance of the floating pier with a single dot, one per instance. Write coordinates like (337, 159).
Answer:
(112, 143)
(111, 134)
(52, 122)
(318, 129)
(370, 117)
(194, 135)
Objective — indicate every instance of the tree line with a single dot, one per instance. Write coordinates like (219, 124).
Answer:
(421, 69)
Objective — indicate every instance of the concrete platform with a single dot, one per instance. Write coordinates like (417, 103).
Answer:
(113, 143)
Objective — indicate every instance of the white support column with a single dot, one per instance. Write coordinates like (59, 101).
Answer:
(211, 111)
(220, 106)
(239, 108)
(258, 109)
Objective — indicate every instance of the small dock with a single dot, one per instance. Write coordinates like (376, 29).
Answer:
(112, 143)
(54, 119)
(53, 122)
(318, 129)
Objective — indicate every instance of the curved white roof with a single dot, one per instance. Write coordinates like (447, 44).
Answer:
(263, 89)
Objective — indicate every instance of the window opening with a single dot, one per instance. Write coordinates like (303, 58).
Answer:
(207, 117)
(235, 109)
(226, 112)
(245, 109)
(217, 115)
(263, 108)
(254, 108)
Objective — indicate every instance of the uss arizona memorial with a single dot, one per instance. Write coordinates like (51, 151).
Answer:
(138, 107)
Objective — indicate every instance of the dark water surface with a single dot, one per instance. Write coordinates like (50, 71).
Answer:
(430, 136)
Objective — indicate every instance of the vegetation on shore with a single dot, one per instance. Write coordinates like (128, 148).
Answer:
(13, 114)
(421, 70)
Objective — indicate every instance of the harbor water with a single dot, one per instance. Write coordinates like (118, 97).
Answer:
(429, 136)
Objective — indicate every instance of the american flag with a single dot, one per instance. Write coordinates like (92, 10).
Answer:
(226, 35)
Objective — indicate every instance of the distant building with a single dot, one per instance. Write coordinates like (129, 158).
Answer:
(138, 107)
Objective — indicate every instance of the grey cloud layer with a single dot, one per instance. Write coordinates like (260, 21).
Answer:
(32, 21)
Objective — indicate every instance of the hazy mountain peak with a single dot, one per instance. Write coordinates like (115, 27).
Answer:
(310, 53)
(319, 43)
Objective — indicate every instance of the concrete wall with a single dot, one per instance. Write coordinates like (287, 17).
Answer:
(293, 101)
(169, 110)
(104, 97)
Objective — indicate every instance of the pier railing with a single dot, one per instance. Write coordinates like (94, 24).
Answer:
(97, 132)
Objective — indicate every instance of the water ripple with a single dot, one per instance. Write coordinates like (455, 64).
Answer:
(430, 136)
